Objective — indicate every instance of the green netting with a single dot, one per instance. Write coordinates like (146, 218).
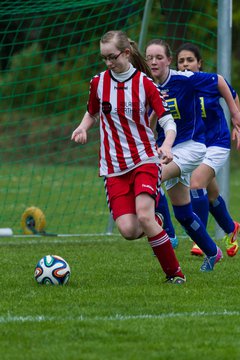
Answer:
(8, 7)
(49, 52)
(187, 20)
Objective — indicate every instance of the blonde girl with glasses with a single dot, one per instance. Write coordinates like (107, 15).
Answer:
(120, 97)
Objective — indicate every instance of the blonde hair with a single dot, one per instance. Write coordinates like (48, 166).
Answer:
(118, 37)
(122, 43)
(138, 60)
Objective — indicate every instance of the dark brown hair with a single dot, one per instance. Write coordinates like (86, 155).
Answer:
(189, 47)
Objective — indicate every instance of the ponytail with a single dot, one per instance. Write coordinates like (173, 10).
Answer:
(137, 60)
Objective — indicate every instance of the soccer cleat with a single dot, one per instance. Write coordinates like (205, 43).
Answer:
(174, 242)
(159, 218)
(210, 261)
(175, 280)
(231, 240)
(196, 250)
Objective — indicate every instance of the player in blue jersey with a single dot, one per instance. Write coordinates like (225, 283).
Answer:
(205, 193)
(189, 147)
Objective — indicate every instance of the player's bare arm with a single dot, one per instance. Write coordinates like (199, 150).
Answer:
(236, 137)
(236, 125)
(79, 135)
(165, 150)
(232, 105)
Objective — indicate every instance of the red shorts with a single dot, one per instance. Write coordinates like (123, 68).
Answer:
(122, 190)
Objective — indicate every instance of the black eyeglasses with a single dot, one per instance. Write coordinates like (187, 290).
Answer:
(111, 57)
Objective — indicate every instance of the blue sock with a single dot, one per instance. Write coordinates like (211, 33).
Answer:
(219, 211)
(195, 228)
(200, 204)
(162, 207)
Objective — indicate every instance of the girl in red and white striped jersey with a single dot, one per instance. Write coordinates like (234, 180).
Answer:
(120, 98)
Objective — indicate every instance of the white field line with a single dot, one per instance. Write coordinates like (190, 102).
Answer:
(64, 235)
(62, 239)
(118, 317)
(39, 240)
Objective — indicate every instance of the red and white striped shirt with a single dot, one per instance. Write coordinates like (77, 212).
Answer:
(126, 139)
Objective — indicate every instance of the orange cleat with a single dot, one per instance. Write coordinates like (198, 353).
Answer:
(231, 240)
(196, 250)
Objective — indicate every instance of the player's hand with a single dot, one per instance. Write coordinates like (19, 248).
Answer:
(165, 95)
(236, 120)
(165, 154)
(79, 135)
(236, 136)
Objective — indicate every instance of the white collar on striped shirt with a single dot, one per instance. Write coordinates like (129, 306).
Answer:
(125, 75)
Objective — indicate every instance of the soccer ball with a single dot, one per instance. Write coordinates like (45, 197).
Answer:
(53, 270)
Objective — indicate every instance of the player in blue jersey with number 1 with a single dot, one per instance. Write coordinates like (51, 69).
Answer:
(189, 147)
(206, 196)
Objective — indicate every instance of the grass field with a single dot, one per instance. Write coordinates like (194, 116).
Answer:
(71, 197)
(116, 305)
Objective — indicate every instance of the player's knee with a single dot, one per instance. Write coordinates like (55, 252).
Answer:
(129, 235)
(196, 183)
(128, 231)
(143, 219)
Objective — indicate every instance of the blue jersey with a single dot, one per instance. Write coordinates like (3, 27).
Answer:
(182, 90)
(217, 131)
